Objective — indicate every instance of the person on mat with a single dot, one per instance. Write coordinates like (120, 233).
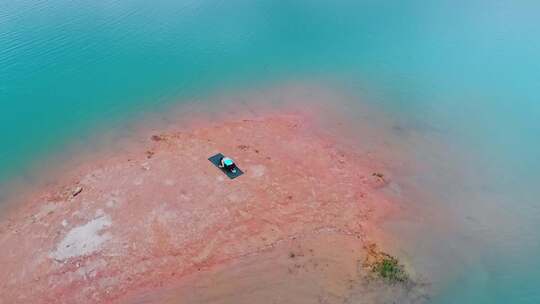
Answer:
(228, 164)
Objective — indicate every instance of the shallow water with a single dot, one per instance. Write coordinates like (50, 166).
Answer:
(458, 78)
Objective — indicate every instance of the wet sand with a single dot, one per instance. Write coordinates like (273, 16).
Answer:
(159, 223)
(324, 267)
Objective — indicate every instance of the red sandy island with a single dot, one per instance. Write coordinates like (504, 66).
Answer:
(134, 222)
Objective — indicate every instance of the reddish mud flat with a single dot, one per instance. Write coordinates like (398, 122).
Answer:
(323, 267)
(162, 215)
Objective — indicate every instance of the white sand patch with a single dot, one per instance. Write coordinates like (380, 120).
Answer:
(257, 170)
(65, 223)
(83, 240)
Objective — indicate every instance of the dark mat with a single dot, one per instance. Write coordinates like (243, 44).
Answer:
(216, 159)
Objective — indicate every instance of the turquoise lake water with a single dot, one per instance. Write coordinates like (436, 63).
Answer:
(469, 70)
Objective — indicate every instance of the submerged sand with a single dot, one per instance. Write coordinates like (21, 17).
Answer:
(160, 224)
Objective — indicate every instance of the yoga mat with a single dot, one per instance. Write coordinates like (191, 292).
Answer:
(216, 161)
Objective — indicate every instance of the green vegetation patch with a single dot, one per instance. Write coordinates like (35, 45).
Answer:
(385, 266)
(389, 269)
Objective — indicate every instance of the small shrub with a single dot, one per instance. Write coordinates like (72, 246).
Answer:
(384, 266)
(388, 268)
